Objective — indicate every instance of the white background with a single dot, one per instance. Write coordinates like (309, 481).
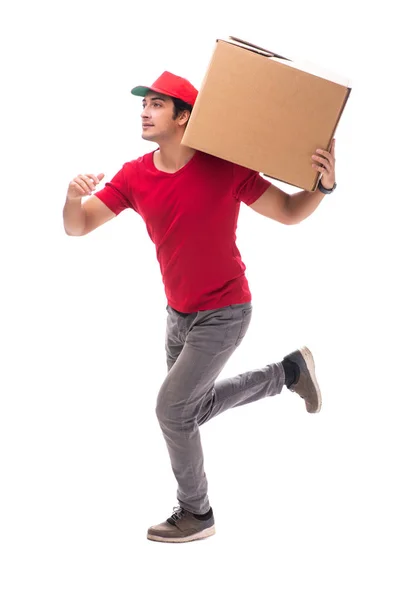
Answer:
(306, 505)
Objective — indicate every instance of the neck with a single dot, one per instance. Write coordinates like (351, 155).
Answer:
(172, 156)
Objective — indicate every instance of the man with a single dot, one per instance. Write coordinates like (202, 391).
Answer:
(190, 203)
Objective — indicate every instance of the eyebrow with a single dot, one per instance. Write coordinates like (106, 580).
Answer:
(155, 98)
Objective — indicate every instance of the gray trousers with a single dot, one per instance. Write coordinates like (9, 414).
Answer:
(198, 345)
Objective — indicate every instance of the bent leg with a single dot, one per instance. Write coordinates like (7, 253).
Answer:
(243, 389)
(189, 395)
(211, 337)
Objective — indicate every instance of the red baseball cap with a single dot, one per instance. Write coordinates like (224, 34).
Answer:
(170, 85)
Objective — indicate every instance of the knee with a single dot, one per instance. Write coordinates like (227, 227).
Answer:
(161, 412)
(167, 411)
(174, 408)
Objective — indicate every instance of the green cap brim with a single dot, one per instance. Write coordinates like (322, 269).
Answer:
(140, 90)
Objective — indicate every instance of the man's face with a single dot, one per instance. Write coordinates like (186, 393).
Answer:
(157, 117)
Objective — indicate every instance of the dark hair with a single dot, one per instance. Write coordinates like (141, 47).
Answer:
(180, 106)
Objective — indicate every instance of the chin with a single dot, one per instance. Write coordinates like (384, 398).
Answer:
(146, 135)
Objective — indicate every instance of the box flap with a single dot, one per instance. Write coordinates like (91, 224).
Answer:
(253, 47)
(302, 65)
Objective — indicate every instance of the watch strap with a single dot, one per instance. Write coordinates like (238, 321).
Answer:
(325, 190)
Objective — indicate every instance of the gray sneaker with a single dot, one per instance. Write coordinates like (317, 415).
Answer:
(182, 526)
(307, 386)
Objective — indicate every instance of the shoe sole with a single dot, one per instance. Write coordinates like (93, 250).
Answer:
(309, 360)
(190, 538)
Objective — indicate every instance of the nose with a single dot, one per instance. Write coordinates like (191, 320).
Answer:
(144, 114)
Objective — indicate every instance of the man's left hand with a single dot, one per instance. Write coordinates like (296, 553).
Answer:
(324, 162)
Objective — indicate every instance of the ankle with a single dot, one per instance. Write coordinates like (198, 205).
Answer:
(292, 372)
(204, 517)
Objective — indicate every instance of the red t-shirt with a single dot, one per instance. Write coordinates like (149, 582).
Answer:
(191, 216)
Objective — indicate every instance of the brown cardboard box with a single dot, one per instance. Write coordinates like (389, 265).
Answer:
(265, 112)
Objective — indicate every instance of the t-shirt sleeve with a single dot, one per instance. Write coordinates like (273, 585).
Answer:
(116, 194)
(248, 185)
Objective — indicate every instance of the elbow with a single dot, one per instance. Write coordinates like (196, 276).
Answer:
(74, 221)
(73, 232)
(292, 220)
(290, 215)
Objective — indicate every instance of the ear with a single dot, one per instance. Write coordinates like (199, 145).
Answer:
(183, 117)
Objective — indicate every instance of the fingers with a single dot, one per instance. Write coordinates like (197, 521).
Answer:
(74, 185)
(323, 165)
(84, 185)
(87, 182)
(325, 154)
(325, 161)
(317, 168)
(330, 156)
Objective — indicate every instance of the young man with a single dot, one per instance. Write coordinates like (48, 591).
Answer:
(190, 203)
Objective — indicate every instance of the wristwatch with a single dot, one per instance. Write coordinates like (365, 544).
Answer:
(324, 190)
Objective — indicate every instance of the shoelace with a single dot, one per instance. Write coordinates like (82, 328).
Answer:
(178, 513)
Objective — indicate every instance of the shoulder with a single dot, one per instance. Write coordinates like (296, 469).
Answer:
(211, 160)
(138, 163)
(221, 164)
(213, 164)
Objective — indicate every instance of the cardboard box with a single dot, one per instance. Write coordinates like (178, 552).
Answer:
(266, 112)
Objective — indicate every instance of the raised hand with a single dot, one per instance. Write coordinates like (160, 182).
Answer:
(83, 185)
(325, 164)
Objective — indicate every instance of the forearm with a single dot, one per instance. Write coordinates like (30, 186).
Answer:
(74, 217)
(302, 204)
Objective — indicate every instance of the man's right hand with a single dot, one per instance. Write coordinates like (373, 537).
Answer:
(83, 185)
